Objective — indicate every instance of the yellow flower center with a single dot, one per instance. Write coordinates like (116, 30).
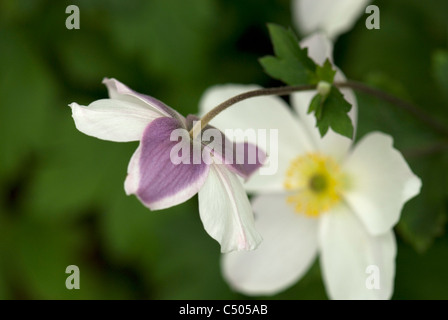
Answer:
(316, 183)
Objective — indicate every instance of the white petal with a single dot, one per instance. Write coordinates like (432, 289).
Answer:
(320, 48)
(288, 249)
(132, 181)
(261, 113)
(226, 212)
(119, 91)
(333, 17)
(355, 265)
(113, 120)
(380, 182)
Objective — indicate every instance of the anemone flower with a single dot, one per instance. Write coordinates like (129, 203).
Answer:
(156, 176)
(329, 198)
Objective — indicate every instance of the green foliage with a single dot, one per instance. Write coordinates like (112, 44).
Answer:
(292, 65)
(332, 111)
(325, 73)
(290, 71)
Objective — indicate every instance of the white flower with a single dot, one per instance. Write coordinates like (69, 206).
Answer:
(329, 198)
(160, 183)
(332, 17)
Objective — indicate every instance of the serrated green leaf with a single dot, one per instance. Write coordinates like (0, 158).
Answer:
(288, 70)
(335, 115)
(316, 103)
(291, 63)
(286, 45)
(293, 66)
(326, 72)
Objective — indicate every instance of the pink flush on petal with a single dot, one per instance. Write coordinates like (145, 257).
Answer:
(162, 183)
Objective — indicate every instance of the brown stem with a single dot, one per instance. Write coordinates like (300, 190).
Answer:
(279, 91)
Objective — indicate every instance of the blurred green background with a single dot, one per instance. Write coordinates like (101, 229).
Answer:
(62, 200)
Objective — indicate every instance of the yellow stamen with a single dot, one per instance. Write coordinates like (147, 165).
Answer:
(317, 181)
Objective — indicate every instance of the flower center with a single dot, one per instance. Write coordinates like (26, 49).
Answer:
(316, 182)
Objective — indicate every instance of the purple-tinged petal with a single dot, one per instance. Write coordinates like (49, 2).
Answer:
(119, 91)
(242, 158)
(161, 182)
(247, 158)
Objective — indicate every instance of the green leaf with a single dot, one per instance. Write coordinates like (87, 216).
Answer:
(316, 104)
(291, 63)
(286, 45)
(288, 70)
(332, 113)
(325, 72)
(293, 66)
